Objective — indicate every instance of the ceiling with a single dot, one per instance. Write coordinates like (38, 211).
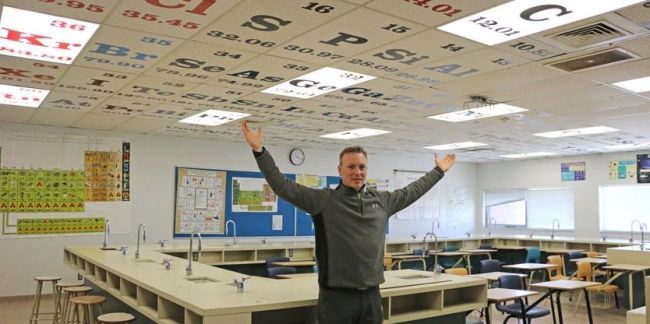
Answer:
(152, 63)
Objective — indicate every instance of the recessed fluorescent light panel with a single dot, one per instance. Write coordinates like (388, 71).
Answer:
(356, 133)
(527, 155)
(21, 96)
(520, 18)
(319, 82)
(627, 146)
(636, 85)
(213, 117)
(454, 146)
(42, 37)
(478, 113)
(578, 132)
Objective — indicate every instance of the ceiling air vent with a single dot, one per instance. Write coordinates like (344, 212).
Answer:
(595, 60)
(587, 35)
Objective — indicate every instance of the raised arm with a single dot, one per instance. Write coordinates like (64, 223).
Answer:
(254, 139)
(308, 199)
(402, 198)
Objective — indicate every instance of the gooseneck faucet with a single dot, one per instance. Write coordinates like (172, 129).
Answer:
(188, 270)
(144, 239)
(643, 228)
(107, 230)
(435, 248)
(555, 220)
(234, 228)
(491, 223)
(632, 229)
(435, 224)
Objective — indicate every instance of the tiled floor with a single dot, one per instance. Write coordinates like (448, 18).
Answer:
(16, 311)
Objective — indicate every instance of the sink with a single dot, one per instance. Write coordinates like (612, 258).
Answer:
(201, 279)
(415, 276)
(145, 260)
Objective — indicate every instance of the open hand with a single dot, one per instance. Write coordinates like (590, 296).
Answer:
(254, 139)
(446, 162)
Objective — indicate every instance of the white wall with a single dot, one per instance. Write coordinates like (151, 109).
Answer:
(153, 160)
(545, 173)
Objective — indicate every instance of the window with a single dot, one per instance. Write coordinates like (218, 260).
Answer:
(531, 208)
(620, 205)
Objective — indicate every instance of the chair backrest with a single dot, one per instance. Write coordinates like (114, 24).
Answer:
(457, 271)
(511, 282)
(533, 255)
(270, 260)
(490, 265)
(583, 270)
(420, 252)
(569, 266)
(559, 271)
(275, 271)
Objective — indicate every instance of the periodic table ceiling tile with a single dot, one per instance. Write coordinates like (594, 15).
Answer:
(258, 26)
(152, 63)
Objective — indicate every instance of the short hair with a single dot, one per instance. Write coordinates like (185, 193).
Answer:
(352, 149)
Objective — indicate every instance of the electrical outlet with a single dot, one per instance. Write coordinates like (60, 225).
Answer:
(80, 276)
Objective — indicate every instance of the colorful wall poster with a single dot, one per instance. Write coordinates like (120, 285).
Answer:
(643, 168)
(253, 195)
(200, 201)
(103, 175)
(311, 181)
(39, 190)
(622, 169)
(31, 226)
(573, 171)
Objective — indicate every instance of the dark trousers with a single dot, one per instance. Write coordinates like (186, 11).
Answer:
(349, 306)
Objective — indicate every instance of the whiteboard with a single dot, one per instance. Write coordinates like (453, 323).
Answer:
(427, 207)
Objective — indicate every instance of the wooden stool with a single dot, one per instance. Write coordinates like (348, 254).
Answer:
(69, 293)
(58, 311)
(88, 303)
(112, 318)
(37, 296)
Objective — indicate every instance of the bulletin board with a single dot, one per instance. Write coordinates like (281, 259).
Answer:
(206, 199)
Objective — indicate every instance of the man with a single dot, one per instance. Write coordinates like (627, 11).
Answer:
(350, 223)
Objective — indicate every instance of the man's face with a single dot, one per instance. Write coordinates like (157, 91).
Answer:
(352, 169)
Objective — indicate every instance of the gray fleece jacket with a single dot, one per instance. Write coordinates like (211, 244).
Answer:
(350, 226)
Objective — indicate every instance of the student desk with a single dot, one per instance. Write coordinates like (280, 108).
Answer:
(530, 268)
(498, 295)
(298, 275)
(470, 252)
(595, 262)
(558, 286)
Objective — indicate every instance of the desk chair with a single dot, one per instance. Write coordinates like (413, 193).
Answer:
(515, 309)
(457, 271)
(584, 272)
(275, 271)
(490, 265)
(533, 255)
(556, 273)
(571, 267)
(270, 260)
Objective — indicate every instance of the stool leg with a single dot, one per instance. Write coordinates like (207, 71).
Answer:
(55, 301)
(37, 302)
(57, 304)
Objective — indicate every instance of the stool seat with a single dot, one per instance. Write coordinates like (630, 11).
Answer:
(115, 318)
(47, 278)
(88, 300)
(69, 284)
(77, 289)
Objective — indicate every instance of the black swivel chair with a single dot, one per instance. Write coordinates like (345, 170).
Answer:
(270, 266)
(516, 309)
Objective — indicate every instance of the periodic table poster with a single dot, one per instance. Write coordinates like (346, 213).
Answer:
(200, 201)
